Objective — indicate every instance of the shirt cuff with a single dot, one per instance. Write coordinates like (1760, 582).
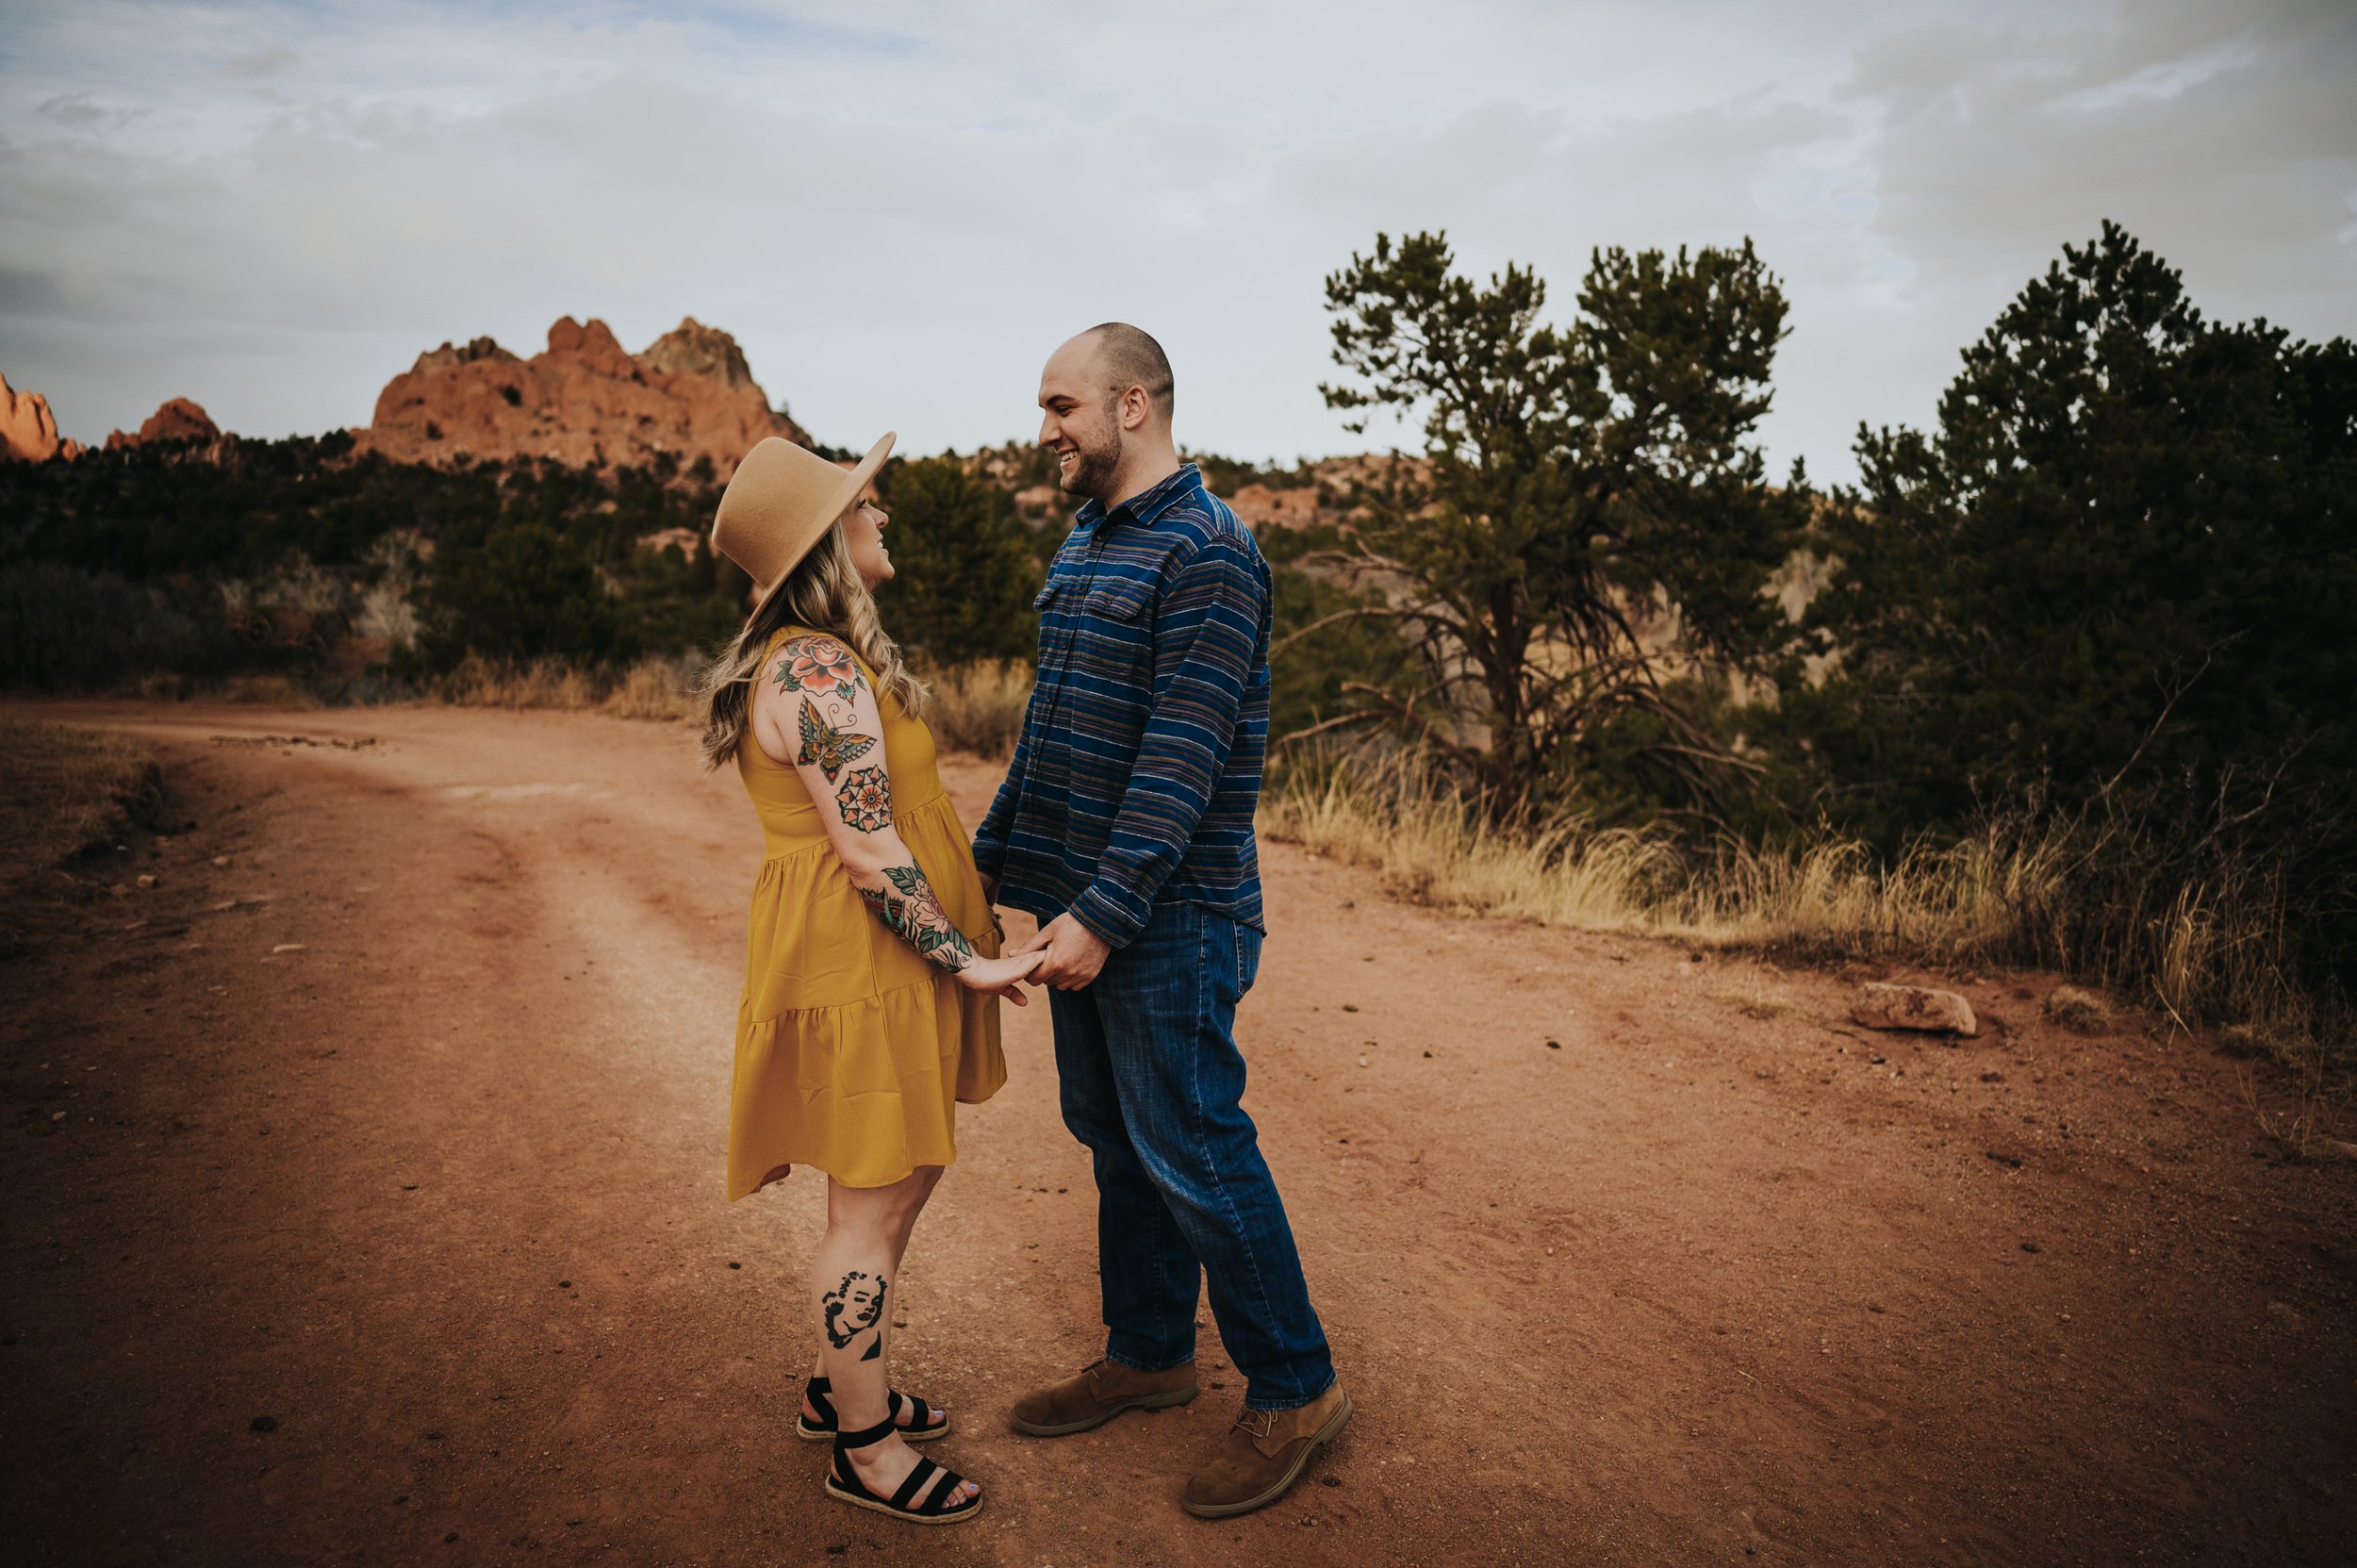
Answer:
(1111, 914)
(990, 860)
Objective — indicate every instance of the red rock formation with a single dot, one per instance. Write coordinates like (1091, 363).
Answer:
(27, 430)
(1261, 506)
(584, 402)
(179, 420)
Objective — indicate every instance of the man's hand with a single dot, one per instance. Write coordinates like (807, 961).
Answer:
(1075, 953)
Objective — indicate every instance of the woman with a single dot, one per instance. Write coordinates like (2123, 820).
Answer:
(872, 971)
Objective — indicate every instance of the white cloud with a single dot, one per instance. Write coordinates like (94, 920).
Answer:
(274, 210)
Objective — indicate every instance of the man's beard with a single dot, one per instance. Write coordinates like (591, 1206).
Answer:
(1092, 471)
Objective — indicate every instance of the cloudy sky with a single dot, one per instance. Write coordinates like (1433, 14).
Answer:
(899, 208)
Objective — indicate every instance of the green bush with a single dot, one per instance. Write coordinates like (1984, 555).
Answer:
(520, 591)
(963, 563)
(2118, 582)
(63, 629)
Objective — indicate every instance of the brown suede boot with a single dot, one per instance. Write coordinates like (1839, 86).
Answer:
(1263, 1454)
(1097, 1393)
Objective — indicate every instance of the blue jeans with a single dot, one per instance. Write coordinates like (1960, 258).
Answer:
(1152, 1083)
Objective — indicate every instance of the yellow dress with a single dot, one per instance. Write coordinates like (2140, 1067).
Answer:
(852, 1051)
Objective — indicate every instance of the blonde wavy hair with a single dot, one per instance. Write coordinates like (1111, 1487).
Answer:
(824, 593)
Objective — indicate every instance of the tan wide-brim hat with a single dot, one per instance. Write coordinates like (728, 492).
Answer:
(781, 501)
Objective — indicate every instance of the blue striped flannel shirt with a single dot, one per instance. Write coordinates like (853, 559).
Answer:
(1138, 770)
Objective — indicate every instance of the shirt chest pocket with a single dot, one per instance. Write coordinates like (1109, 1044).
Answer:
(1117, 619)
(1123, 600)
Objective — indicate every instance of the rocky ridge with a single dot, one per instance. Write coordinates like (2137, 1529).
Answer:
(28, 430)
(583, 402)
(178, 420)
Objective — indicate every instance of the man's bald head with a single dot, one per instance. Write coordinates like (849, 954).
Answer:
(1126, 357)
(1105, 400)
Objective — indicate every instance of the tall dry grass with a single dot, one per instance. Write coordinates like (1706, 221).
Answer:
(656, 689)
(978, 707)
(2050, 894)
(975, 707)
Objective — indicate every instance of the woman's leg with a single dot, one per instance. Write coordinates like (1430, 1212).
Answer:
(851, 1281)
(927, 1178)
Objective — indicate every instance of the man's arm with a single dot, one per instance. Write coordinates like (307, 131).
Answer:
(1205, 632)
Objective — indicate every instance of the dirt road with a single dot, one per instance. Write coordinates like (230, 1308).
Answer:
(394, 1116)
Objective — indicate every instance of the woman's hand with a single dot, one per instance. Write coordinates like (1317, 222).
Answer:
(998, 977)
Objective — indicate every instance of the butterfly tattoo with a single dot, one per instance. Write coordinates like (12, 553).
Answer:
(827, 748)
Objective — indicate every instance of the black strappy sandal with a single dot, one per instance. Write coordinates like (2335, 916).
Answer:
(843, 1482)
(929, 1424)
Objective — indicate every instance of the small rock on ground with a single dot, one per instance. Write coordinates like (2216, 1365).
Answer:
(1880, 1006)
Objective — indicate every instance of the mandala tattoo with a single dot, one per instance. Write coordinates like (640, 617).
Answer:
(866, 797)
(819, 665)
(827, 748)
(911, 911)
(854, 1307)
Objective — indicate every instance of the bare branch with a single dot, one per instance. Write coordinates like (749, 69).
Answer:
(1364, 612)
(1364, 716)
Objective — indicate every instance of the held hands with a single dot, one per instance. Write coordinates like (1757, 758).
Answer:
(1070, 954)
(1000, 976)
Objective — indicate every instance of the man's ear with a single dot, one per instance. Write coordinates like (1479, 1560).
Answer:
(1135, 407)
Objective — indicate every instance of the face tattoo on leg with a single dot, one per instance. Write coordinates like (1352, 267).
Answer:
(854, 1307)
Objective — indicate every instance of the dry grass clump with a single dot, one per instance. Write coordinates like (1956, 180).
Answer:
(2080, 1012)
(651, 689)
(655, 688)
(2208, 955)
(973, 707)
(978, 707)
(1971, 901)
(276, 691)
(1985, 898)
(548, 682)
(1433, 849)
(65, 790)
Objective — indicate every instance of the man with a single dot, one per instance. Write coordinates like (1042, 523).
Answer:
(1125, 825)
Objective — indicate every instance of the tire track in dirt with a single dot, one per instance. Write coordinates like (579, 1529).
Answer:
(442, 1192)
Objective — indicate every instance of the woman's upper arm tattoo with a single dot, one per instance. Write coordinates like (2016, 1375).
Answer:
(820, 667)
(827, 748)
(828, 685)
(865, 798)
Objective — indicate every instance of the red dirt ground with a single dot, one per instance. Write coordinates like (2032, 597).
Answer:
(1627, 1256)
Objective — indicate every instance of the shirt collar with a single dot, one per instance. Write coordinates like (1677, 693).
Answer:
(1144, 507)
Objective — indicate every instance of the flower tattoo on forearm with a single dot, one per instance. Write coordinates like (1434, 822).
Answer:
(907, 904)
